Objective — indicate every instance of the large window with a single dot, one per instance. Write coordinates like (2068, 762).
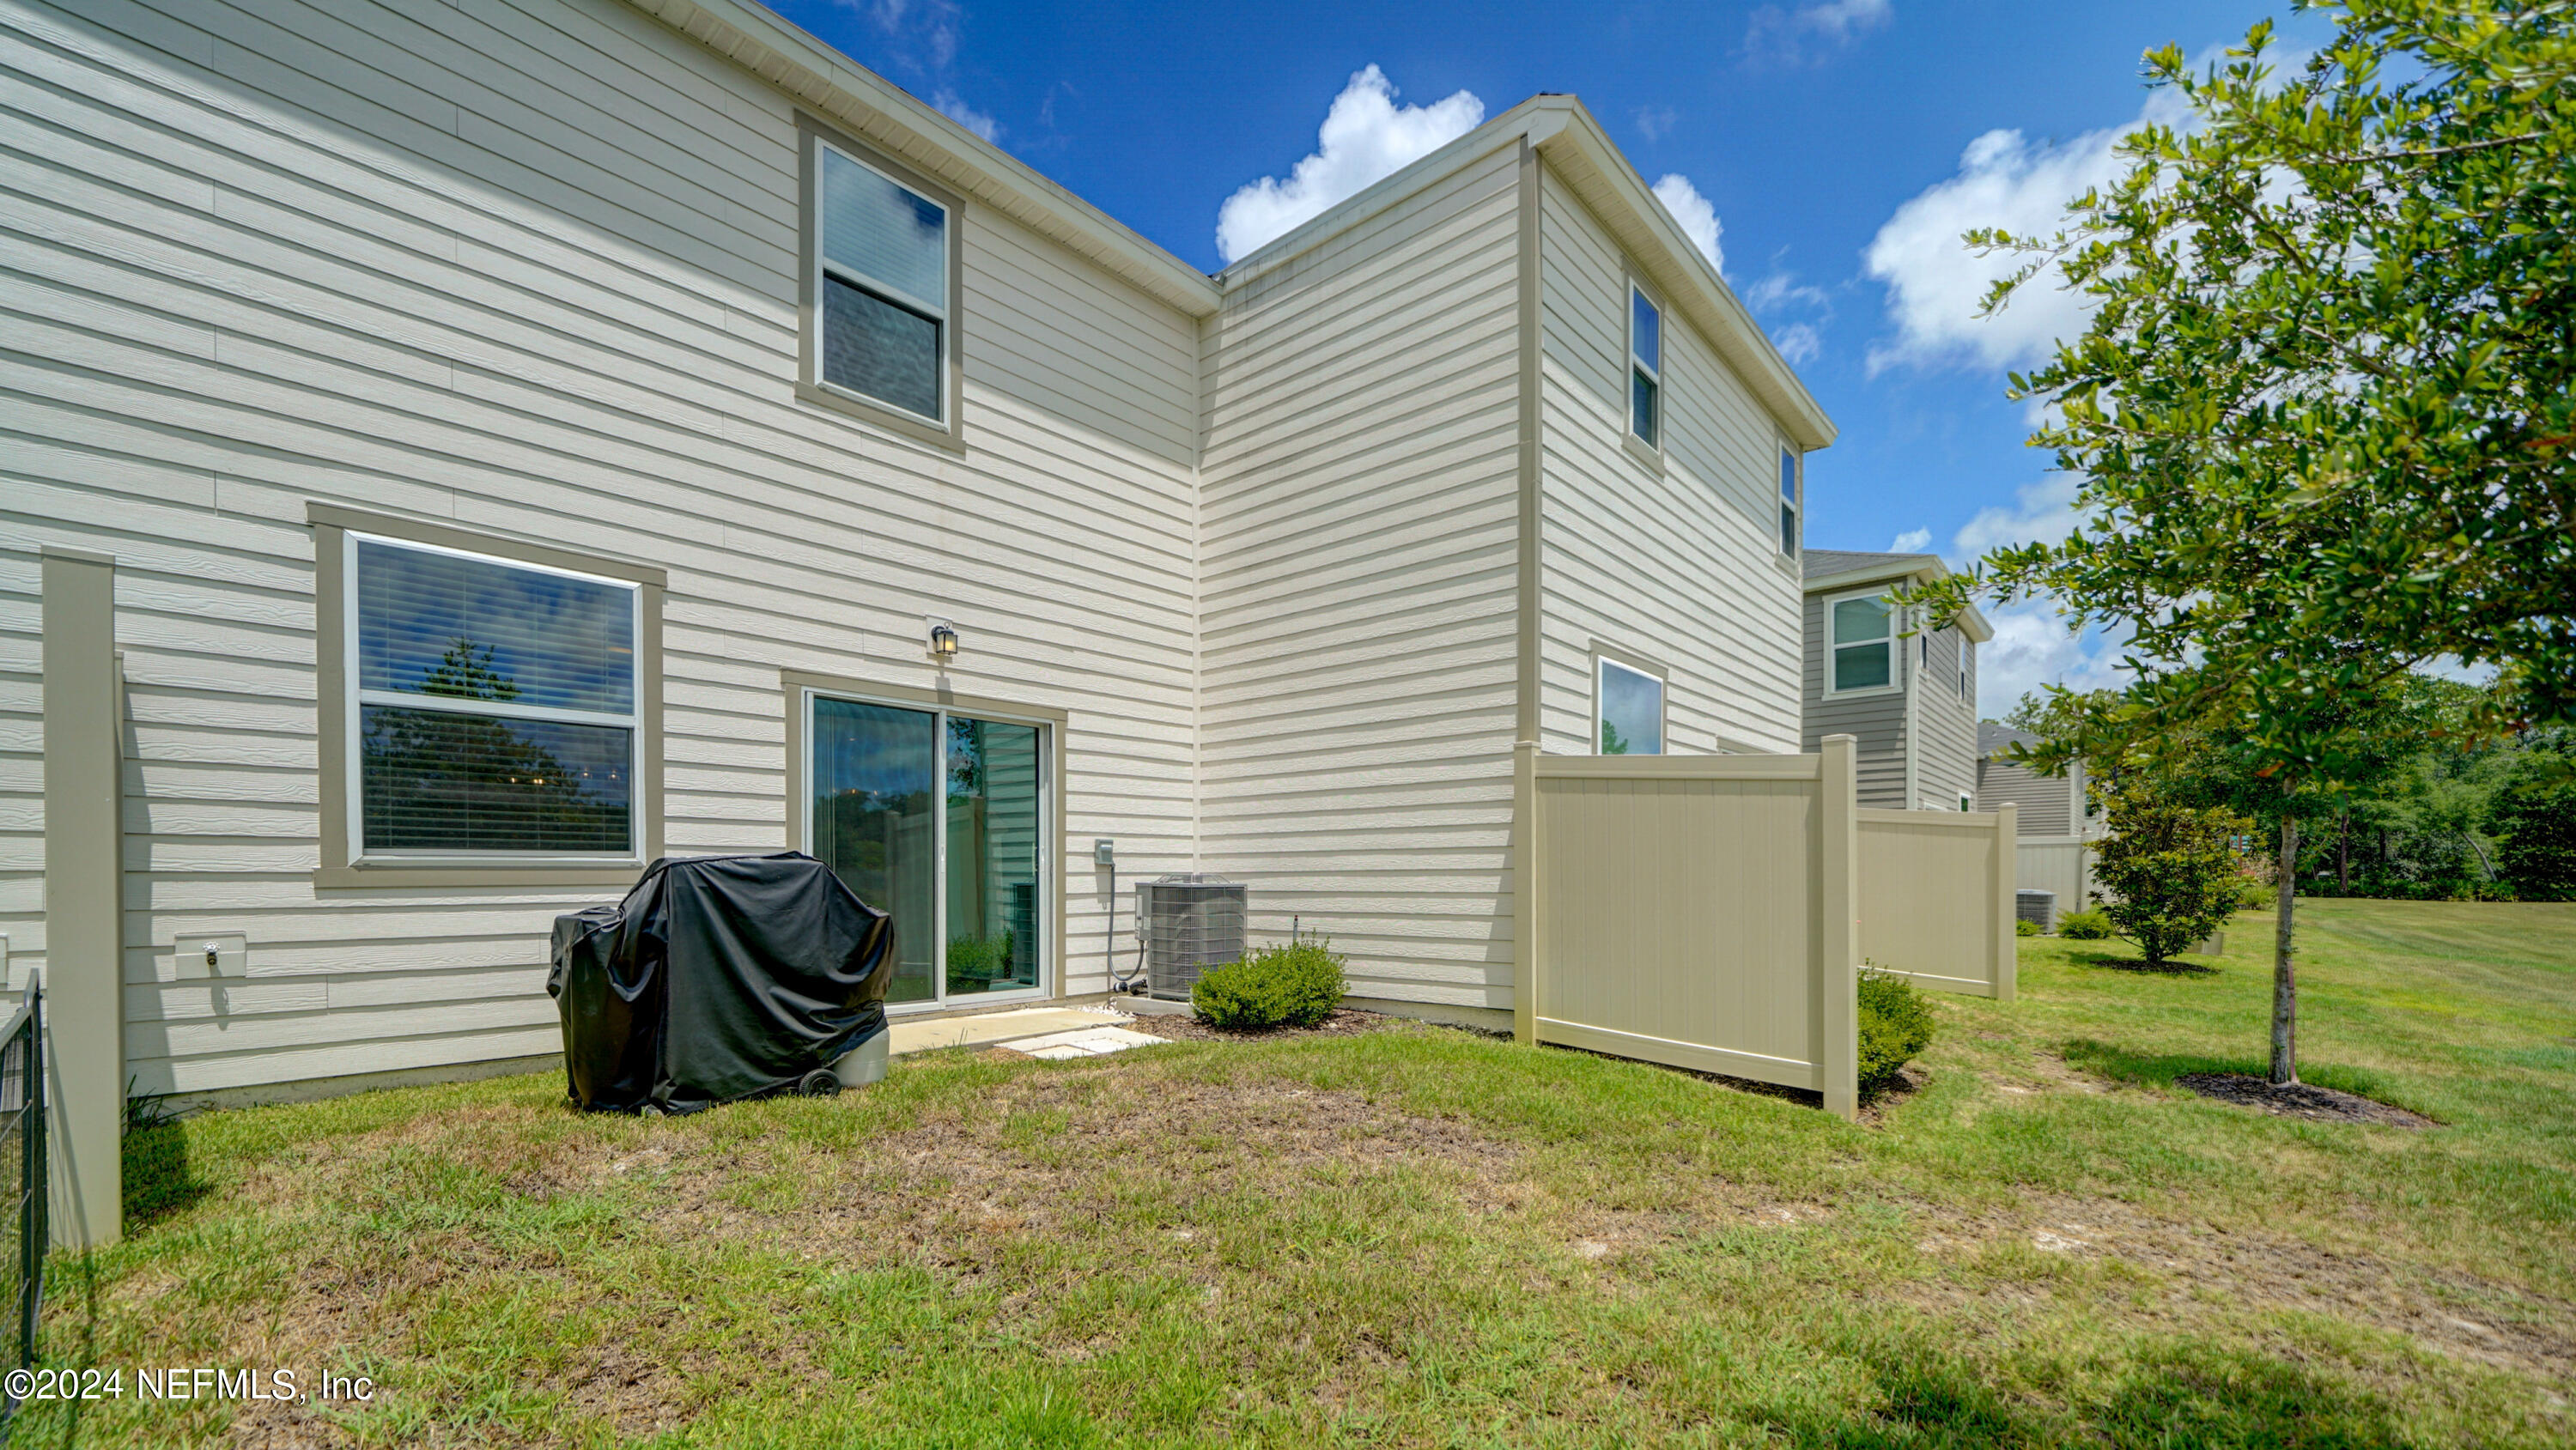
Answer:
(940, 819)
(1790, 466)
(1862, 637)
(883, 287)
(1645, 368)
(1629, 710)
(495, 708)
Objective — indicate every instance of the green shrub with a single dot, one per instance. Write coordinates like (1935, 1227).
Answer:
(1296, 983)
(979, 958)
(2025, 927)
(1895, 1025)
(2084, 925)
(2168, 869)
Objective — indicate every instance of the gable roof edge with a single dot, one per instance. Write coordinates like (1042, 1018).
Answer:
(821, 78)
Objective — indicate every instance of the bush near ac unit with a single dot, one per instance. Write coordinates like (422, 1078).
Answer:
(1293, 984)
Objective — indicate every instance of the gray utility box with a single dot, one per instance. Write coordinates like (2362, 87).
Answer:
(1187, 921)
(2036, 906)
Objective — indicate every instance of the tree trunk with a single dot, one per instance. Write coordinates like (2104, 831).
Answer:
(2343, 851)
(2285, 978)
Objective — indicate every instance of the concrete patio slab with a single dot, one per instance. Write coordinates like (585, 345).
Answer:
(987, 1027)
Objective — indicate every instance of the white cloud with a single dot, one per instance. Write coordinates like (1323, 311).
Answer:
(1935, 284)
(952, 105)
(1365, 136)
(1777, 34)
(2042, 512)
(1654, 122)
(1697, 216)
(1799, 342)
(2031, 648)
(1912, 541)
(1783, 289)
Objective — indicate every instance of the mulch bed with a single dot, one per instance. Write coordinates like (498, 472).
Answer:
(2299, 1100)
(1343, 1023)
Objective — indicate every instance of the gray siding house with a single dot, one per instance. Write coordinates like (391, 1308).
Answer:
(2050, 805)
(494, 443)
(1908, 693)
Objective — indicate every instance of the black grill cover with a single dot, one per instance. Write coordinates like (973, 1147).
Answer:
(717, 978)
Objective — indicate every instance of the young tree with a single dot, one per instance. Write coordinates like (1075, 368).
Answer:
(2169, 868)
(2325, 409)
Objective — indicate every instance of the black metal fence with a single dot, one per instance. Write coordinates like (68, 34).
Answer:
(24, 1233)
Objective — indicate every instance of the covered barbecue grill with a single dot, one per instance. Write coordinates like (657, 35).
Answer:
(718, 978)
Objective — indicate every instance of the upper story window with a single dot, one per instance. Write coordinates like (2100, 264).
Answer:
(495, 707)
(1861, 637)
(1629, 710)
(1791, 465)
(1645, 368)
(883, 292)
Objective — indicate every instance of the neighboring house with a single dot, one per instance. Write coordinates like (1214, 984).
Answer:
(1908, 693)
(2051, 805)
(533, 436)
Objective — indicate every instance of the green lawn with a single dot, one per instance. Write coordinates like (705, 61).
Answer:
(1425, 1237)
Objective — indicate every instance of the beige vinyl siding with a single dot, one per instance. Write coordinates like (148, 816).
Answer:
(2046, 802)
(1877, 721)
(1673, 563)
(22, 747)
(525, 269)
(1946, 722)
(1360, 515)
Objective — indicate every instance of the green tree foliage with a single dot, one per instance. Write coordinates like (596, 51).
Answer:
(1895, 1027)
(2325, 411)
(2325, 408)
(1296, 984)
(2168, 870)
(2539, 850)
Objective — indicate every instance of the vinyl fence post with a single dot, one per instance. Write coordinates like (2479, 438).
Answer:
(1525, 888)
(2007, 877)
(1837, 955)
(84, 883)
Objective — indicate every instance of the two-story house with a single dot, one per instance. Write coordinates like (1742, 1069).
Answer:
(1909, 693)
(494, 443)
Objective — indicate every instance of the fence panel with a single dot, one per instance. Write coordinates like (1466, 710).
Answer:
(1685, 910)
(2062, 864)
(1936, 898)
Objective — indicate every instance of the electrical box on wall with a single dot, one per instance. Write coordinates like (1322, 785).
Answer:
(1104, 851)
(212, 954)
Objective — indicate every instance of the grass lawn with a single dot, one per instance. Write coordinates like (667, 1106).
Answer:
(1424, 1237)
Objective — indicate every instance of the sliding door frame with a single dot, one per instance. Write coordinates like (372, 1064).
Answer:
(802, 690)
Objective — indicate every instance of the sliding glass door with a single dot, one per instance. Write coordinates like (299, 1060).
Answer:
(941, 820)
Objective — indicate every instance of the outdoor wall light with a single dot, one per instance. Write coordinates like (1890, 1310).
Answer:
(943, 642)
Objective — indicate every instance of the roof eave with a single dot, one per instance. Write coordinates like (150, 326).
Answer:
(1570, 138)
(821, 78)
(1970, 621)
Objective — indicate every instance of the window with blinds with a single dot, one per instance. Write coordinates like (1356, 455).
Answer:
(884, 290)
(496, 706)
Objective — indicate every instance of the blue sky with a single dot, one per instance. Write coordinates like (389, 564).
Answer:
(1841, 145)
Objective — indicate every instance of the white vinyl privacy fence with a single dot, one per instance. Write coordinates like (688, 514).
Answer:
(1711, 912)
(1936, 901)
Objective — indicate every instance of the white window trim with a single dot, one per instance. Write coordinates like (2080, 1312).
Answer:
(1967, 803)
(1663, 700)
(1050, 732)
(1895, 646)
(1654, 372)
(942, 312)
(353, 753)
(1795, 503)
